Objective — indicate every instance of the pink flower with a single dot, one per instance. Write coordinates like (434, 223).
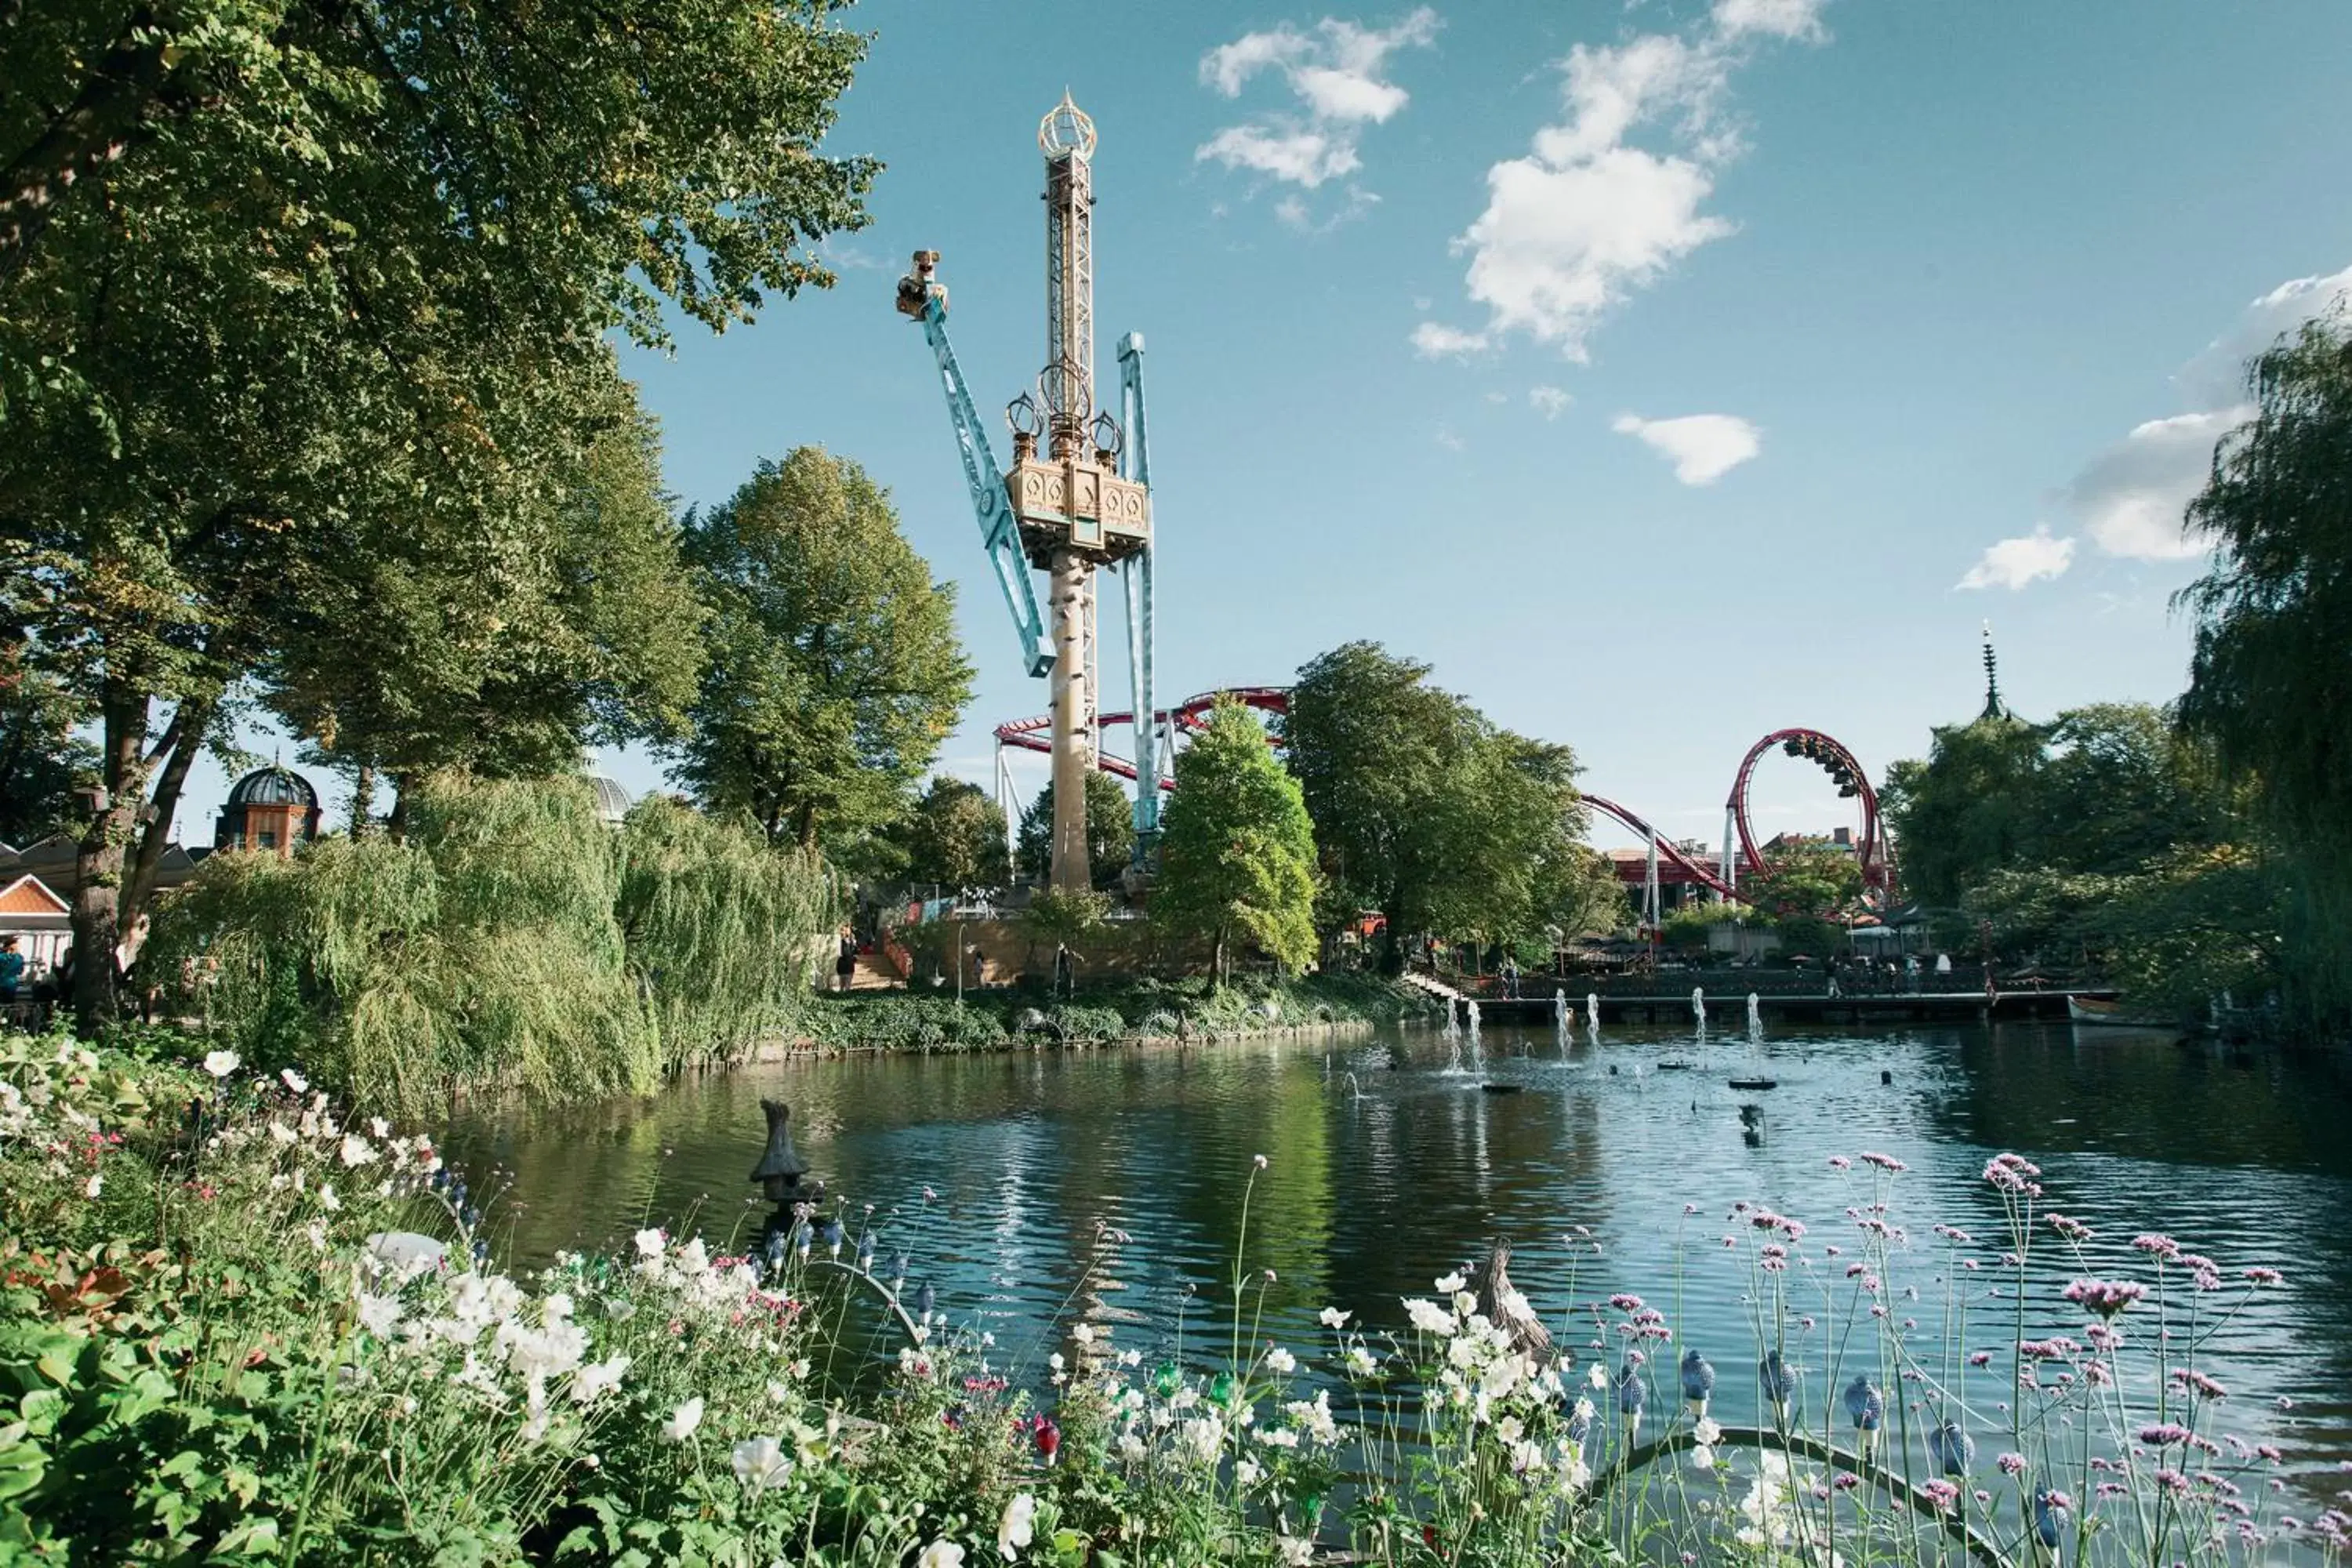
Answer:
(1884, 1162)
(1943, 1494)
(2164, 1434)
(2072, 1229)
(1839, 1163)
(2157, 1244)
(2259, 1276)
(2012, 1464)
(2105, 1297)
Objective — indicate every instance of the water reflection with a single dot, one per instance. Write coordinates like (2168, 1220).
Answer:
(995, 1173)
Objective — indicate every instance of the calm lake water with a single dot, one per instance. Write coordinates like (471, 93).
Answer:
(1375, 1188)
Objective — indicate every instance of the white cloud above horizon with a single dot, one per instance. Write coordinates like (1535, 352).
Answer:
(2129, 497)
(1703, 448)
(1336, 72)
(1552, 402)
(2012, 563)
(1585, 219)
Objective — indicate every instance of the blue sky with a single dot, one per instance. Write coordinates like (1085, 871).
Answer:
(1663, 373)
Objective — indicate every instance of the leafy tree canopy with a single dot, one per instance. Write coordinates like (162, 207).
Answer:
(1110, 831)
(1237, 851)
(1446, 822)
(835, 670)
(955, 838)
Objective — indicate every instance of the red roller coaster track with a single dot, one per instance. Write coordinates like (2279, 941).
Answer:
(1877, 863)
(1037, 735)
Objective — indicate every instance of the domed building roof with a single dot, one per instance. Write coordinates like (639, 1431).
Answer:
(613, 802)
(274, 785)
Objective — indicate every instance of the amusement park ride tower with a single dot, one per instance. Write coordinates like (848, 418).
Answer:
(1078, 496)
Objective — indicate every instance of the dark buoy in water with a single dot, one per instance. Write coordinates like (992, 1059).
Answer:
(1502, 1089)
(1755, 1083)
(1885, 1075)
(1612, 1072)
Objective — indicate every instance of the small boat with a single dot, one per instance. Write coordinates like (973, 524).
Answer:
(1676, 1067)
(1756, 1083)
(2090, 1010)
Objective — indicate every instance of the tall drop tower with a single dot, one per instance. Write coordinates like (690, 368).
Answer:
(1076, 507)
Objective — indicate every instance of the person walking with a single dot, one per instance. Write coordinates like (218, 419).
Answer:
(845, 966)
(12, 975)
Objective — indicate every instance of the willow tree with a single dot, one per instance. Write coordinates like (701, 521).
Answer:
(835, 671)
(483, 951)
(1237, 851)
(2268, 681)
(289, 287)
(722, 928)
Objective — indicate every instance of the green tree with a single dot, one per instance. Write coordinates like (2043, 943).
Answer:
(42, 760)
(835, 671)
(955, 838)
(1971, 806)
(1444, 822)
(2273, 618)
(1110, 831)
(288, 284)
(1237, 851)
(1810, 880)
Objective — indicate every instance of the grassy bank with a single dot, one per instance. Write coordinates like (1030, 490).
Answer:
(1191, 1008)
(212, 1353)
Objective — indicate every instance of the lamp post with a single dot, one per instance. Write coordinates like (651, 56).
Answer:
(779, 1173)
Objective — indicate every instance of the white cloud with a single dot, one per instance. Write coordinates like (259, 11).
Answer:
(1548, 401)
(1449, 440)
(2014, 563)
(1336, 72)
(1703, 448)
(2130, 497)
(1586, 218)
(1435, 340)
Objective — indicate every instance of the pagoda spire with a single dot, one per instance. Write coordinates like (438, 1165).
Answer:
(1994, 707)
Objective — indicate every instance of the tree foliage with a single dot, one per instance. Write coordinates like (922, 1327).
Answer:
(1237, 851)
(1436, 816)
(2268, 682)
(1110, 831)
(835, 670)
(954, 837)
(42, 760)
(301, 296)
(511, 939)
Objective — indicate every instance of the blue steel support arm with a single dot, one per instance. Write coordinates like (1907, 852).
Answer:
(990, 502)
(1136, 464)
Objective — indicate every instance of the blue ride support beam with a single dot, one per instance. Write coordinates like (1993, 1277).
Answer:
(1135, 575)
(991, 502)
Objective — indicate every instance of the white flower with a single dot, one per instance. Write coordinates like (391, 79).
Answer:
(939, 1554)
(761, 1463)
(1280, 1362)
(1257, 1160)
(379, 1315)
(1707, 1434)
(1054, 1360)
(1278, 1437)
(1702, 1457)
(327, 1199)
(683, 1421)
(358, 1150)
(1296, 1551)
(592, 1382)
(292, 1080)
(649, 1244)
(1595, 1376)
(1333, 1318)
(1083, 1335)
(220, 1064)
(1527, 1458)
(1246, 1473)
(1429, 1317)
(1015, 1530)
(1130, 1447)
(1451, 1284)
(92, 1186)
(1359, 1362)
(282, 1135)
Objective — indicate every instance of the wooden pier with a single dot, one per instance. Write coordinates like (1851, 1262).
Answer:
(1729, 1009)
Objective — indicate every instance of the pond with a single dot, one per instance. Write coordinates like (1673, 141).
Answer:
(994, 1172)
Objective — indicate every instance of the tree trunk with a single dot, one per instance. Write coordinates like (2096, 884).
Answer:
(184, 740)
(1217, 957)
(362, 800)
(98, 860)
(396, 825)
